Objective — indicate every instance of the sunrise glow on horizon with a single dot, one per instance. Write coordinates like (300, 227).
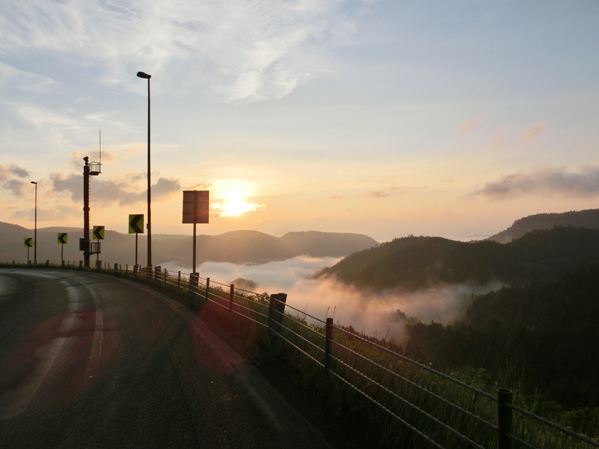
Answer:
(367, 116)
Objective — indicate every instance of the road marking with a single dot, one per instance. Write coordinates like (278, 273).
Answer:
(17, 400)
(96, 350)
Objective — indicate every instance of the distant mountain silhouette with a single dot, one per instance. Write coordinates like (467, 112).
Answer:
(414, 263)
(234, 247)
(323, 244)
(581, 219)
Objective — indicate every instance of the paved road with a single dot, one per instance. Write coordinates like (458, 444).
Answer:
(93, 361)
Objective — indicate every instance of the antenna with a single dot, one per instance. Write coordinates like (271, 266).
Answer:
(100, 143)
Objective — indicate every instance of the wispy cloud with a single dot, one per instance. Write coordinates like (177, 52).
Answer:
(468, 125)
(16, 186)
(383, 193)
(107, 191)
(246, 51)
(23, 80)
(584, 183)
(534, 131)
(7, 171)
(9, 174)
(58, 213)
(471, 124)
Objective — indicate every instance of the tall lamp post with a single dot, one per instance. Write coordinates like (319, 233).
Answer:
(35, 228)
(147, 77)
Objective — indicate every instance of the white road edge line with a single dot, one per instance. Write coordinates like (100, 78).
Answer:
(16, 401)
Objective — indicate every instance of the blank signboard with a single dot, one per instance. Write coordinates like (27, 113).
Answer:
(195, 206)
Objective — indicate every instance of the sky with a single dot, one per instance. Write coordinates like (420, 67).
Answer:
(380, 117)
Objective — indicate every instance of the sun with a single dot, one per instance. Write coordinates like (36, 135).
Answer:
(234, 204)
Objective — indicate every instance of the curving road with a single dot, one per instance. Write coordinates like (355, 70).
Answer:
(93, 361)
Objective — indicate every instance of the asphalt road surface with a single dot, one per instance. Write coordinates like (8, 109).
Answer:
(94, 361)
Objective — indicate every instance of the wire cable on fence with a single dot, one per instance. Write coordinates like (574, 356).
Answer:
(420, 365)
(419, 387)
(301, 337)
(381, 406)
(409, 404)
(318, 362)
(198, 288)
(553, 425)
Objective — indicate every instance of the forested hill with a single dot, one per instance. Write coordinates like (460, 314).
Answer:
(414, 263)
(544, 335)
(581, 219)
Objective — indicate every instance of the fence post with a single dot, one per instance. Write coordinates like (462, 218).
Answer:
(328, 345)
(179, 280)
(157, 271)
(207, 287)
(276, 311)
(504, 418)
(194, 280)
(231, 296)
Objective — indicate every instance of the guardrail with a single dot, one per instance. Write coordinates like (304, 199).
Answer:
(439, 410)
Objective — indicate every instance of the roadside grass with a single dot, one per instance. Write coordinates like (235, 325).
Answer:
(401, 393)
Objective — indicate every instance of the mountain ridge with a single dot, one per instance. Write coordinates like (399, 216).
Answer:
(588, 218)
(232, 246)
(416, 263)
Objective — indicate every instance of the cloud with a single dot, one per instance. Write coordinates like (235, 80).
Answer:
(108, 191)
(22, 80)
(585, 183)
(20, 172)
(165, 187)
(383, 193)
(534, 131)
(7, 171)
(471, 124)
(59, 213)
(17, 187)
(468, 125)
(246, 51)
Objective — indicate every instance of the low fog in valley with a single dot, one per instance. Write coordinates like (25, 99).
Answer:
(381, 315)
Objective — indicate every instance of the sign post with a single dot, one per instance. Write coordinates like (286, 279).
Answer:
(62, 240)
(27, 243)
(98, 234)
(196, 207)
(136, 226)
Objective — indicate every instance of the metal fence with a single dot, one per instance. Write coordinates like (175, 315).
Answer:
(439, 410)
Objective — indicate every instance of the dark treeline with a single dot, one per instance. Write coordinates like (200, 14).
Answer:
(413, 263)
(540, 332)
(544, 335)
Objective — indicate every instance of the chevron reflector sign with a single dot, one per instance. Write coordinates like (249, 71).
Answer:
(136, 223)
(98, 233)
(62, 238)
(27, 242)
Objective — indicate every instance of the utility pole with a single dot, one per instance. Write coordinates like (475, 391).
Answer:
(35, 228)
(85, 243)
(144, 75)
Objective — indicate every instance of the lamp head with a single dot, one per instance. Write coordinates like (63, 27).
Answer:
(144, 75)
(33, 182)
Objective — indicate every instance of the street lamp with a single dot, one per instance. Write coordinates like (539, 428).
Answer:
(35, 228)
(147, 77)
